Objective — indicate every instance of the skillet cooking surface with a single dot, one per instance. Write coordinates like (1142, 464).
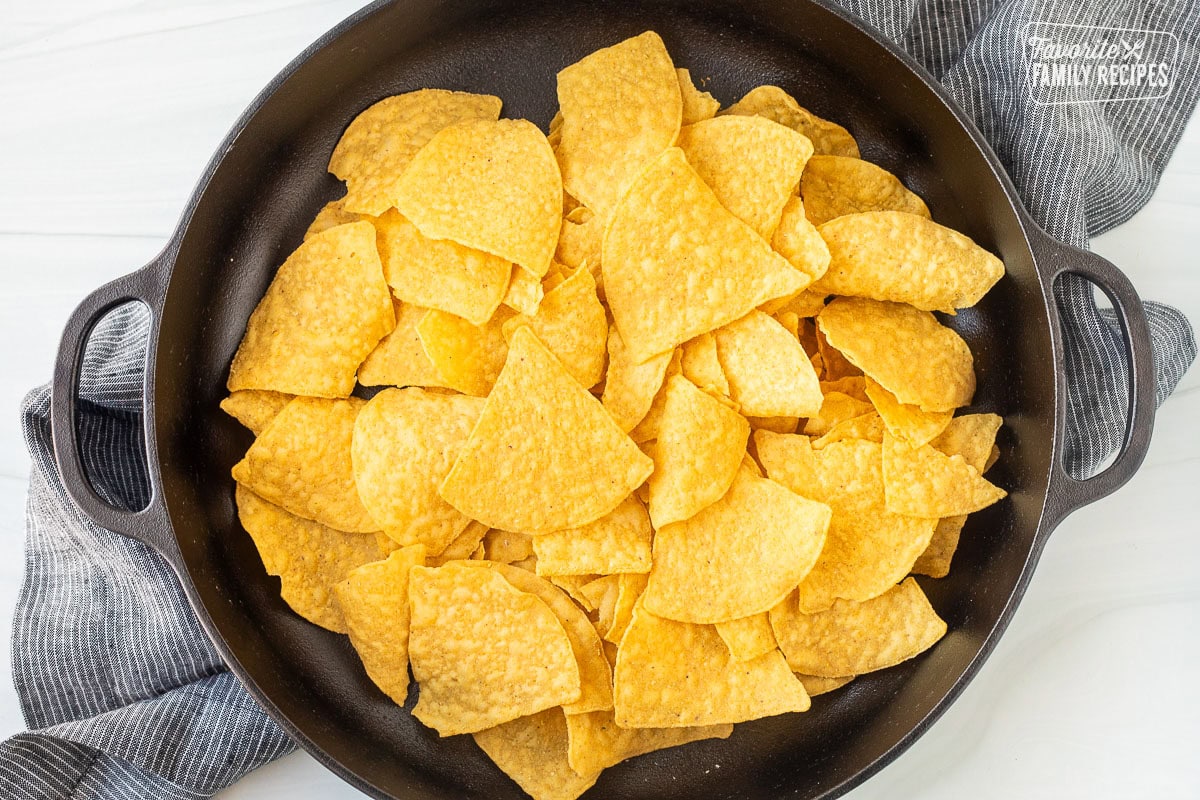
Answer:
(271, 182)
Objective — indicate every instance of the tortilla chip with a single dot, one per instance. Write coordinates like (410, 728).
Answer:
(677, 264)
(701, 366)
(629, 386)
(834, 365)
(697, 105)
(852, 386)
(676, 675)
(331, 215)
(853, 638)
(533, 752)
(752, 164)
(597, 742)
(836, 408)
(489, 185)
(580, 240)
(309, 558)
(617, 542)
(506, 547)
(399, 359)
(828, 138)
(647, 429)
(545, 455)
(374, 600)
(737, 557)
(891, 255)
(747, 638)
(463, 546)
(630, 588)
(439, 274)
(483, 651)
(833, 186)
(798, 240)
(255, 408)
(326, 309)
(571, 322)
(867, 426)
(380, 143)
(405, 441)
(467, 357)
(524, 292)
(302, 462)
(774, 424)
(906, 351)
(868, 549)
(906, 422)
(700, 445)
(816, 685)
(806, 304)
(621, 108)
(971, 436)
(769, 373)
(925, 482)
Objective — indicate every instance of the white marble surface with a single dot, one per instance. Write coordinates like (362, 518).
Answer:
(110, 108)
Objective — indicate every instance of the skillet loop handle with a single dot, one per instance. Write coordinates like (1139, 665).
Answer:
(1066, 494)
(149, 525)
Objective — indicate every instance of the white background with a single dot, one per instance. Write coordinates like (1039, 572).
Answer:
(109, 109)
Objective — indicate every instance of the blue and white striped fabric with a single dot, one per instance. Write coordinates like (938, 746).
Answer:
(124, 696)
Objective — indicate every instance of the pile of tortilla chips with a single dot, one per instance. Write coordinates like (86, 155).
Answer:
(666, 422)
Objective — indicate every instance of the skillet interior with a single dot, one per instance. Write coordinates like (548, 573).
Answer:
(272, 180)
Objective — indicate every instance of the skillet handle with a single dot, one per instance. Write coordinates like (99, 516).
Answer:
(149, 525)
(1066, 494)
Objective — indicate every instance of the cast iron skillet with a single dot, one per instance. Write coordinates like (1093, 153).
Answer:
(267, 181)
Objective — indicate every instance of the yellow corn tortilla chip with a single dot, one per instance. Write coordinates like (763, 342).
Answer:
(775, 104)
(255, 408)
(891, 255)
(833, 186)
(463, 546)
(554, 136)
(971, 436)
(617, 542)
(836, 408)
(697, 105)
(699, 446)
(774, 424)
(524, 293)
(621, 108)
(490, 185)
(630, 588)
(595, 676)
(326, 309)
(506, 547)
(752, 164)
(302, 461)
(647, 429)
(992, 458)
(374, 600)
(467, 357)
(852, 386)
(834, 365)
(437, 273)
(601, 595)
(790, 322)
(573, 586)
(815, 685)
(405, 441)
(677, 264)
(380, 143)
(309, 558)
(483, 651)
(331, 215)
(399, 359)
(769, 373)
(935, 561)
(701, 366)
(580, 241)
(867, 426)
(904, 421)
(737, 557)
(852, 638)
(806, 304)
(677, 675)
(545, 455)
(868, 549)
(597, 742)
(571, 322)
(925, 482)
(747, 638)
(533, 752)
(798, 240)
(904, 350)
(630, 387)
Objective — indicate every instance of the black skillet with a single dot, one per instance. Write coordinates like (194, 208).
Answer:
(268, 179)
